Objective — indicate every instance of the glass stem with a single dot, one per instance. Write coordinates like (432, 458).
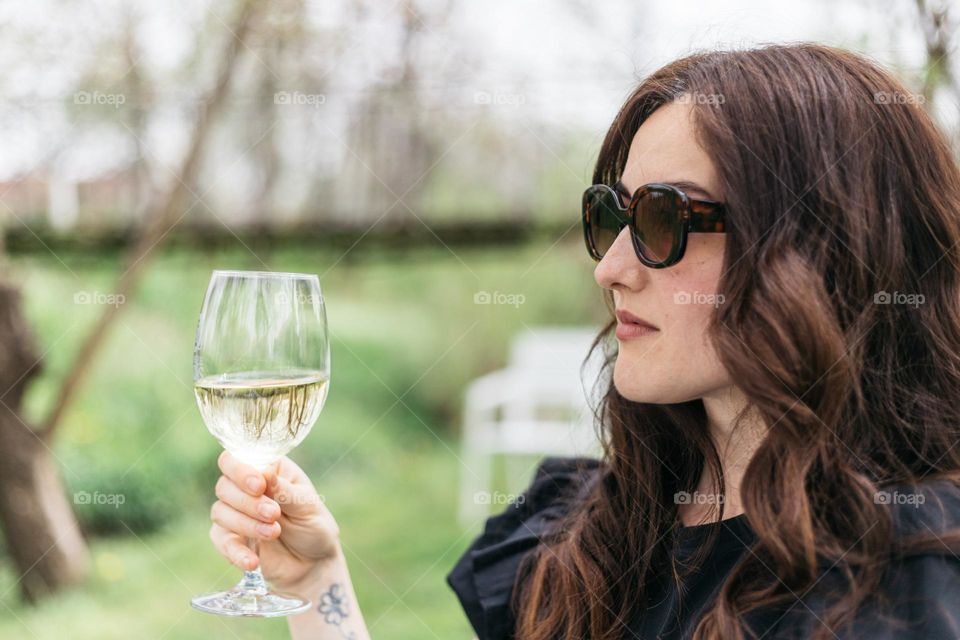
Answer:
(253, 582)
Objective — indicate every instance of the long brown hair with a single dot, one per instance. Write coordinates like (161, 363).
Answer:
(839, 189)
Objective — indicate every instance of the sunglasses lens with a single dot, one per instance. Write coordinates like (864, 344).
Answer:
(657, 223)
(603, 219)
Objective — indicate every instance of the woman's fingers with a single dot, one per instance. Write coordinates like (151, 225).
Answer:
(242, 524)
(243, 475)
(295, 500)
(289, 469)
(232, 547)
(261, 508)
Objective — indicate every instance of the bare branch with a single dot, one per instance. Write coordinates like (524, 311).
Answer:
(160, 217)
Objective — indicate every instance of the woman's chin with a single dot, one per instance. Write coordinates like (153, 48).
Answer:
(635, 386)
(630, 386)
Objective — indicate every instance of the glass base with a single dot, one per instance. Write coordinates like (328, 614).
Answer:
(237, 602)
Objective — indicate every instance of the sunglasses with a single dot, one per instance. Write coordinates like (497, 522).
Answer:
(659, 216)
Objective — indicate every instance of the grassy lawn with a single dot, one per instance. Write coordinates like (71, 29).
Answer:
(397, 527)
(406, 337)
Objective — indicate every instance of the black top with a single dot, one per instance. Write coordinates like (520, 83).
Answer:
(924, 589)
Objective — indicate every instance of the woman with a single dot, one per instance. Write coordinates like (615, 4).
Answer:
(777, 234)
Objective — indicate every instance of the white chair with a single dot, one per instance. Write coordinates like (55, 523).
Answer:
(541, 404)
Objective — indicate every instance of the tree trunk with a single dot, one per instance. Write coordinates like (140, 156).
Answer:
(43, 537)
(42, 533)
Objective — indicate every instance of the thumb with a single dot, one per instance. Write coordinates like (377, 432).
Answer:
(295, 500)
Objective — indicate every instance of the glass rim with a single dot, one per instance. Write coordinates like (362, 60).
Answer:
(265, 274)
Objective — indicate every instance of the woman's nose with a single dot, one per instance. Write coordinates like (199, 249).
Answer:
(620, 265)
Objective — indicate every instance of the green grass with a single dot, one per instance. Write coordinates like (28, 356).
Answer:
(396, 524)
(402, 325)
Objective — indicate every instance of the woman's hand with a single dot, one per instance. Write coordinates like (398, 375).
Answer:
(282, 510)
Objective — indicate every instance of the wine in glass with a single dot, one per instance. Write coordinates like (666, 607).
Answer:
(261, 369)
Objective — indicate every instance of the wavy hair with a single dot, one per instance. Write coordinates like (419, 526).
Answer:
(840, 190)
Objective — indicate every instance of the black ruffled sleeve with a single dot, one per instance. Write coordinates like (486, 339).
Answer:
(483, 576)
(920, 593)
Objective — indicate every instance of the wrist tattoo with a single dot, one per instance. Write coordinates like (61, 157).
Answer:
(333, 607)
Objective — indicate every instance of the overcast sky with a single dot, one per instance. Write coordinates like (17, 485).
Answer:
(566, 62)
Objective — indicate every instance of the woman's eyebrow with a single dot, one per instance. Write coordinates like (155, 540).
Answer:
(683, 185)
(688, 185)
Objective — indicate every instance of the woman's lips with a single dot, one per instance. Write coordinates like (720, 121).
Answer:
(628, 330)
(631, 326)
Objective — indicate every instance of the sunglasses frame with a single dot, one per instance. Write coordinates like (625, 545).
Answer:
(699, 216)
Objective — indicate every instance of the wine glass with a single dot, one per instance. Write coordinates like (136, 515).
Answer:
(261, 370)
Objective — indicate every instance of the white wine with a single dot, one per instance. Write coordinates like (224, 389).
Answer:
(259, 417)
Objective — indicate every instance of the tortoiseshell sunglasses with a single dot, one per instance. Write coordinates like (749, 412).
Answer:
(659, 215)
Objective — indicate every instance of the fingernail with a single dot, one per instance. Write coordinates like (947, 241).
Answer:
(265, 529)
(266, 510)
(254, 483)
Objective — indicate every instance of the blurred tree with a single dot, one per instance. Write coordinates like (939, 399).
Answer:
(136, 91)
(938, 31)
(395, 139)
(43, 537)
